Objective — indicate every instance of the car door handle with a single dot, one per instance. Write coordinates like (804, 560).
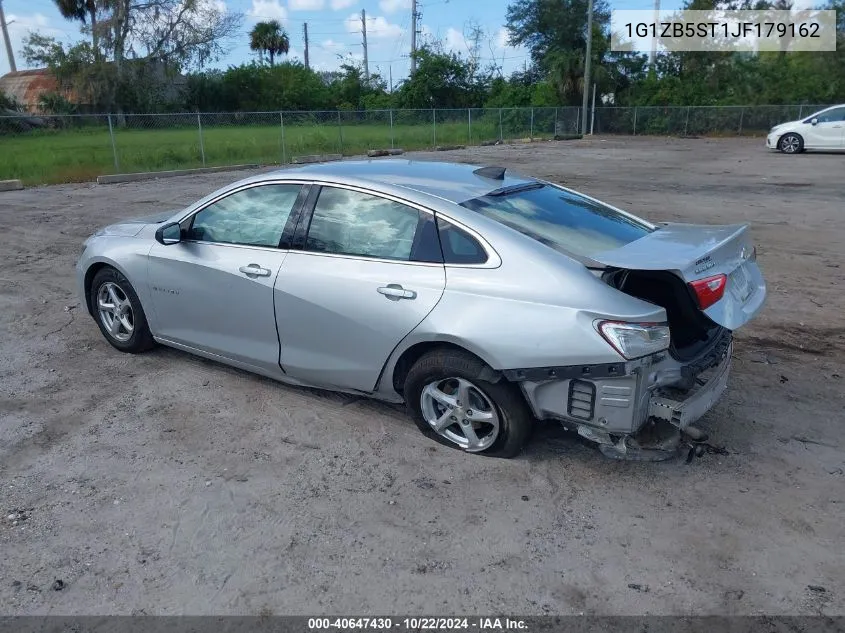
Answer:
(394, 292)
(254, 270)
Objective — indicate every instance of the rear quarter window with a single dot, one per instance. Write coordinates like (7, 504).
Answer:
(458, 246)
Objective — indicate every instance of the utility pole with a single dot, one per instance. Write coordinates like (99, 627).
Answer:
(390, 74)
(414, 16)
(364, 33)
(587, 62)
(6, 39)
(653, 55)
(305, 32)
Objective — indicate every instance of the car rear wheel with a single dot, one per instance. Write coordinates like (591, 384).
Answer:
(451, 402)
(791, 143)
(118, 312)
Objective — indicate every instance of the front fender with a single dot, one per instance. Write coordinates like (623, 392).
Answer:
(126, 254)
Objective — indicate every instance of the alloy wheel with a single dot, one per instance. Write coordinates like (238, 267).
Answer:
(789, 144)
(460, 412)
(115, 311)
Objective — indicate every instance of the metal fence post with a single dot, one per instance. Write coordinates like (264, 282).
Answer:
(113, 147)
(686, 123)
(340, 131)
(434, 124)
(741, 117)
(202, 145)
(577, 121)
(800, 110)
(501, 135)
(635, 120)
(469, 126)
(284, 148)
(391, 129)
(531, 134)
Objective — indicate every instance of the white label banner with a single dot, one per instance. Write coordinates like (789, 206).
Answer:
(723, 31)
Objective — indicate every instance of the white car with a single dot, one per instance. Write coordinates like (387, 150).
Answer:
(822, 130)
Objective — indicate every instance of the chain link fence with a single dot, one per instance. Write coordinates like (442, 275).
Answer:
(45, 149)
(697, 120)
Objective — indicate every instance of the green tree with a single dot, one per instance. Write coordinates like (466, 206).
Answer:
(55, 103)
(548, 27)
(349, 86)
(284, 86)
(136, 44)
(442, 80)
(9, 104)
(84, 11)
(270, 38)
(555, 33)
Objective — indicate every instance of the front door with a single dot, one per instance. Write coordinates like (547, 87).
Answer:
(371, 270)
(213, 291)
(829, 130)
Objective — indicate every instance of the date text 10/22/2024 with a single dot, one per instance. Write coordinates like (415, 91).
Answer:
(480, 624)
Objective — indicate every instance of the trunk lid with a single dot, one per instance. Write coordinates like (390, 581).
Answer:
(695, 251)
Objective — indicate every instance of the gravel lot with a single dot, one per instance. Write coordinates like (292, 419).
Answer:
(166, 484)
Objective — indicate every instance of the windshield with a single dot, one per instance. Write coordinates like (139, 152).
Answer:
(565, 221)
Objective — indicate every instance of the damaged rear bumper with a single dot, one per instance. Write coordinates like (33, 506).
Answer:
(622, 412)
(682, 413)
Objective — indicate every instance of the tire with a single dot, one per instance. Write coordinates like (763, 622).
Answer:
(107, 285)
(791, 143)
(501, 421)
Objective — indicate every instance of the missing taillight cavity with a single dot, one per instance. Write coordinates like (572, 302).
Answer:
(709, 290)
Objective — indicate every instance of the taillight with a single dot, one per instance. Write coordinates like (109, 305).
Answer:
(708, 291)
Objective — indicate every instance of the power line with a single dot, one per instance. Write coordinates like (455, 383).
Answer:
(400, 43)
(286, 19)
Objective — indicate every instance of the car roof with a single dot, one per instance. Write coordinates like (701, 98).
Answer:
(455, 182)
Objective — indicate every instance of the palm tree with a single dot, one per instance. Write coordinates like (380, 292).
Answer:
(81, 10)
(567, 74)
(269, 37)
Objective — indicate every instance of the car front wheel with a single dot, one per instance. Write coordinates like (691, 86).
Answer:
(451, 402)
(118, 312)
(791, 144)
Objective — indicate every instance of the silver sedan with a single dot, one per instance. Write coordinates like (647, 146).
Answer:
(484, 300)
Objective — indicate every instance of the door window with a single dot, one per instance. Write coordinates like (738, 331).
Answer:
(347, 222)
(254, 216)
(836, 114)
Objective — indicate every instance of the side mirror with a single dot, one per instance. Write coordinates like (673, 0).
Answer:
(814, 121)
(169, 234)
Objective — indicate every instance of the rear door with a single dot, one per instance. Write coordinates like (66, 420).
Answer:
(369, 270)
(828, 131)
(213, 291)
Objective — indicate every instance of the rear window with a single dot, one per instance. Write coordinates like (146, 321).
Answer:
(565, 221)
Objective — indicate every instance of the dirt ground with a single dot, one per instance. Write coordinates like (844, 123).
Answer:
(166, 484)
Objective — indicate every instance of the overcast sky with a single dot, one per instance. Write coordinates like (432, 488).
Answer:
(334, 28)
